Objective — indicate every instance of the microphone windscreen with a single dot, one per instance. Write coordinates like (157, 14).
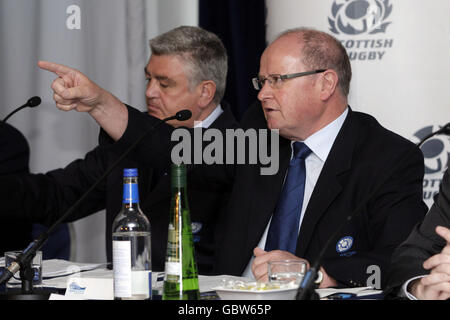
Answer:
(183, 115)
(34, 102)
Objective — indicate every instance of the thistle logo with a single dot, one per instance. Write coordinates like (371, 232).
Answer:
(344, 244)
(436, 154)
(368, 18)
(434, 150)
(360, 16)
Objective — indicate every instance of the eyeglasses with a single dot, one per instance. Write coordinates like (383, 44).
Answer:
(275, 80)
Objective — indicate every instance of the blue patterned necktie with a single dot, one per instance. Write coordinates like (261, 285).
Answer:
(283, 230)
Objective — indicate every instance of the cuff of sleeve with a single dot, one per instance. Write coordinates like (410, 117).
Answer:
(137, 124)
(343, 271)
(404, 291)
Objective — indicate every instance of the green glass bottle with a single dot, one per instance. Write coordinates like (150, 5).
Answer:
(181, 275)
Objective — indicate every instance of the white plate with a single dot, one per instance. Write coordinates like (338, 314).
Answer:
(273, 294)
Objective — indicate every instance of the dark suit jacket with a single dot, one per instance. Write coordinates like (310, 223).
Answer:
(14, 150)
(422, 243)
(14, 158)
(358, 165)
(45, 197)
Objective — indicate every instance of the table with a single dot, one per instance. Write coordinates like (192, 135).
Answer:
(58, 273)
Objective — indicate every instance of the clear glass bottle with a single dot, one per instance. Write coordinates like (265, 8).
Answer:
(131, 245)
(181, 275)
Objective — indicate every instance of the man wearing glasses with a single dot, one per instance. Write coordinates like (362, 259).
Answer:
(332, 161)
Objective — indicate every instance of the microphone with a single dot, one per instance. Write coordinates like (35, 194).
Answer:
(306, 288)
(32, 102)
(444, 130)
(25, 258)
(183, 115)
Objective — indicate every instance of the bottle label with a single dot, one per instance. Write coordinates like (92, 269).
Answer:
(173, 268)
(122, 269)
(130, 193)
(172, 242)
(141, 283)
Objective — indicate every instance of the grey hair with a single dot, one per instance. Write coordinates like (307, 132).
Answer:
(322, 51)
(204, 53)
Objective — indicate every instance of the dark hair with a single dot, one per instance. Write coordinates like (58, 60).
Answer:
(204, 54)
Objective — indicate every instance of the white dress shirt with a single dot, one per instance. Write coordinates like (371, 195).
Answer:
(320, 144)
(404, 291)
(209, 119)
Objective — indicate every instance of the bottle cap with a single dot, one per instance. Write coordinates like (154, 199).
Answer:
(133, 172)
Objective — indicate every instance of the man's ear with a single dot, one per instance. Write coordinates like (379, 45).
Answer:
(329, 83)
(207, 92)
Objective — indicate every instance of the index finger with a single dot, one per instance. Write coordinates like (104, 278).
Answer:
(258, 251)
(56, 68)
(261, 258)
(444, 233)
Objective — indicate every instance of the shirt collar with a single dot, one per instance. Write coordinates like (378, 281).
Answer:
(209, 119)
(321, 141)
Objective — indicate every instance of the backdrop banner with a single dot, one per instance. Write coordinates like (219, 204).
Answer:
(399, 55)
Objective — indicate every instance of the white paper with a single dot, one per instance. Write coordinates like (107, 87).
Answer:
(122, 268)
(173, 268)
(57, 268)
(140, 282)
(359, 291)
(55, 296)
(89, 289)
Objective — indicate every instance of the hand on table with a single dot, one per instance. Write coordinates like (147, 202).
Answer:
(436, 285)
(262, 258)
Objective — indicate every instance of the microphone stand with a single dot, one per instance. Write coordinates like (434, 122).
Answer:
(306, 289)
(444, 130)
(26, 271)
(23, 260)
